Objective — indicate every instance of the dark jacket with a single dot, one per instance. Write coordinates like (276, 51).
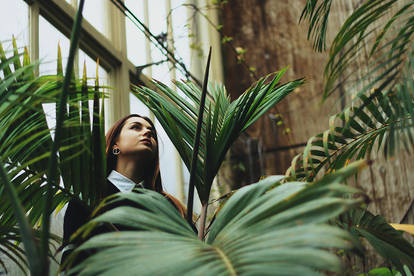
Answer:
(78, 214)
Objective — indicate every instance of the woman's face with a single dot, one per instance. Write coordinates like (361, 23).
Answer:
(137, 138)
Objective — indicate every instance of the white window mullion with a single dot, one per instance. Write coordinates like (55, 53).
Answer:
(173, 75)
(34, 33)
(118, 103)
(148, 56)
(206, 33)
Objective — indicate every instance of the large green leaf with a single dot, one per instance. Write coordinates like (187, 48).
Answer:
(267, 228)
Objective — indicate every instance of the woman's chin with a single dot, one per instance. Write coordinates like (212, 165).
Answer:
(146, 151)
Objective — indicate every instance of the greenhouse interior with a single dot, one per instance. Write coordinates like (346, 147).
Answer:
(206, 137)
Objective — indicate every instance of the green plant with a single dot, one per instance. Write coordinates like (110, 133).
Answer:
(266, 228)
(385, 271)
(222, 123)
(381, 111)
(382, 103)
(29, 163)
(387, 241)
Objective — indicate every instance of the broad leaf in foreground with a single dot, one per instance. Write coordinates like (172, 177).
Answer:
(267, 228)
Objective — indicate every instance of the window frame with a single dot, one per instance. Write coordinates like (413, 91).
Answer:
(111, 52)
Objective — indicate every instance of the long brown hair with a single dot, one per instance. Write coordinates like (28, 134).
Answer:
(153, 177)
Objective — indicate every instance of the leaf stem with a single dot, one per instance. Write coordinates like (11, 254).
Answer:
(203, 221)
(193, 170)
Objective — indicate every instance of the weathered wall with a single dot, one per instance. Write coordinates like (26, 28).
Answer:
(273, 39)
(269, 32)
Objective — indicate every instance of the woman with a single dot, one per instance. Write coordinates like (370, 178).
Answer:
(132, 161)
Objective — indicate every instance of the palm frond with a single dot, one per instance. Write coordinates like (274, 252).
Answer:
(387, 241)
(34, 259)
(10, 246)
(317, 14)
(386, 28)
(223, 120)
(381, 121)
(378, 124)
(263, 229)
(26, 140)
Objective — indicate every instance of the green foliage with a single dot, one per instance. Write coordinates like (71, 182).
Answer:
(385, 271)
(26, 143)
(263, 229)
(387, 49)
(387, 241)
(10, 239)
(223, 121)
(380, 117)
(317, 16)
(382, 271)
(380, 122)
(382, 109)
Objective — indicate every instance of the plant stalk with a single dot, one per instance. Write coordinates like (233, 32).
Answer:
(203, 221)
(61, 107)
(190, 201)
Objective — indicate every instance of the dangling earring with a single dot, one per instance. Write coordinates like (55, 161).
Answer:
(116, 151)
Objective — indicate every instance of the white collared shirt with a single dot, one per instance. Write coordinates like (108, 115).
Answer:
(123, 183)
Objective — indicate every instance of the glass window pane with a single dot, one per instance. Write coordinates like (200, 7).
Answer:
(158, 26)
(135, 38)
(96, 13)
(157, 17)
(137, 107)
(181, 34)
(14, 20)
(168, 161)
(49, 38)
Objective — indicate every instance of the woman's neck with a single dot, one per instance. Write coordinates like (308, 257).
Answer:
(132, 169)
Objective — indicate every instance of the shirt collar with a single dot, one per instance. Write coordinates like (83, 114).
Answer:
(123, 183)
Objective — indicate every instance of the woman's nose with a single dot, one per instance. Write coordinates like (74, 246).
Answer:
(147, 132)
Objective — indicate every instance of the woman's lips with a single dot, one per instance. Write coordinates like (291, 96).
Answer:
(146, 141)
